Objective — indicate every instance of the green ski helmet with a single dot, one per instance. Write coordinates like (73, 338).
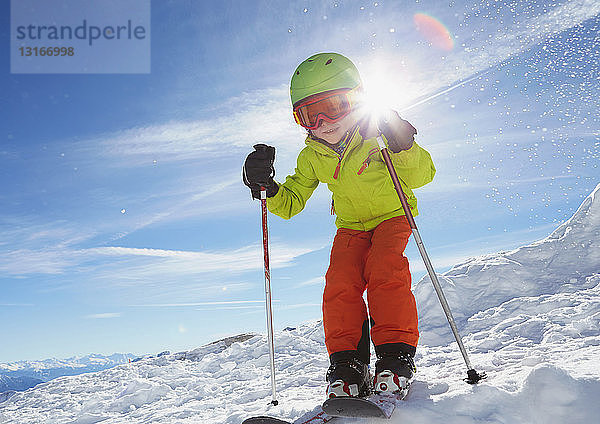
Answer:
(323, 72)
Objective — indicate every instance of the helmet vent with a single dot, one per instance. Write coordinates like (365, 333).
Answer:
(328, 62)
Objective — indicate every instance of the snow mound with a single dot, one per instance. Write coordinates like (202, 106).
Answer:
(560, 263)
(549, 395)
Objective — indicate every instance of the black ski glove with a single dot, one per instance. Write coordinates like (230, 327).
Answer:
(258, 171)
(399, 133)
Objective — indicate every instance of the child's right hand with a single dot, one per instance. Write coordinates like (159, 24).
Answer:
(258, 171)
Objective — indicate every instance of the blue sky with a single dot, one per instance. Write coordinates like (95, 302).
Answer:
(126, 228)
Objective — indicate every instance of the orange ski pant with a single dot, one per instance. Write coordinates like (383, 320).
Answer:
(373, 261)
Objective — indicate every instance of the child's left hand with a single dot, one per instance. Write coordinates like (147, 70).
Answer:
(399, 133)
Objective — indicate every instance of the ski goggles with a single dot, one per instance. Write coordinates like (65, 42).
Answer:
(330, 106)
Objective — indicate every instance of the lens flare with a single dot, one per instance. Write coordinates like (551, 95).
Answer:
(433, 31)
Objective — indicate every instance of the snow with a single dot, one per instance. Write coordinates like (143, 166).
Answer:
(530, 318)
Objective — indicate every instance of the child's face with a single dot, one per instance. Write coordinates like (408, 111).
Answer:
(334, 132)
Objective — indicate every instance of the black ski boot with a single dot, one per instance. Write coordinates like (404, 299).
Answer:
(393, 372)
(348, 377)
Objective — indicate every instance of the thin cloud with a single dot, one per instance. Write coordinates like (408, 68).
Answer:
(179, 262)
(137, 264)
(174, 211)
(211, 306)
(30, 247)
(317, 281)
(278, 308)
(41, 261)
(27, 232)
(187, 140)
(442, 186)
(232, 308)
(298, 306)
(107, 315)
(189, 304)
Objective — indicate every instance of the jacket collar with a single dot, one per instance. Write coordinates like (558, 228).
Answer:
(353, 135)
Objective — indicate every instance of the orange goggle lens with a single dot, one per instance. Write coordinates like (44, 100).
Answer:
(331, 106)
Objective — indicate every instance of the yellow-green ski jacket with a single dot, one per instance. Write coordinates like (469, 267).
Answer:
(363, 192)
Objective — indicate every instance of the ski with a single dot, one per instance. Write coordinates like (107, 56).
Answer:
(316, 416)
(356, 407)
(373, 406)
(264, 420)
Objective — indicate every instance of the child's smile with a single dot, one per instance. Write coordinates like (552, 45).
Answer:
(333, 132)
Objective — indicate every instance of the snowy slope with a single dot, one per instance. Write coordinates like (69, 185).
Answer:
(530, 319)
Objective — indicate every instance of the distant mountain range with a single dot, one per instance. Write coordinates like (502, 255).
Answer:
(17, 383)
(22, 375)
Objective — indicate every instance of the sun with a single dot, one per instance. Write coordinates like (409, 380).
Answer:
(376, 98)
(384, 83)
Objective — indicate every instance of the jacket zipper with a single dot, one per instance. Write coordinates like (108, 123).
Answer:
(339, 164)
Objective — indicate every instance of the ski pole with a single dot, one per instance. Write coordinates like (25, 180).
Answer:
(265, 237)
(473, 376)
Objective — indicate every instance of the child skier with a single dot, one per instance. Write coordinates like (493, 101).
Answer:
(368, 248)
